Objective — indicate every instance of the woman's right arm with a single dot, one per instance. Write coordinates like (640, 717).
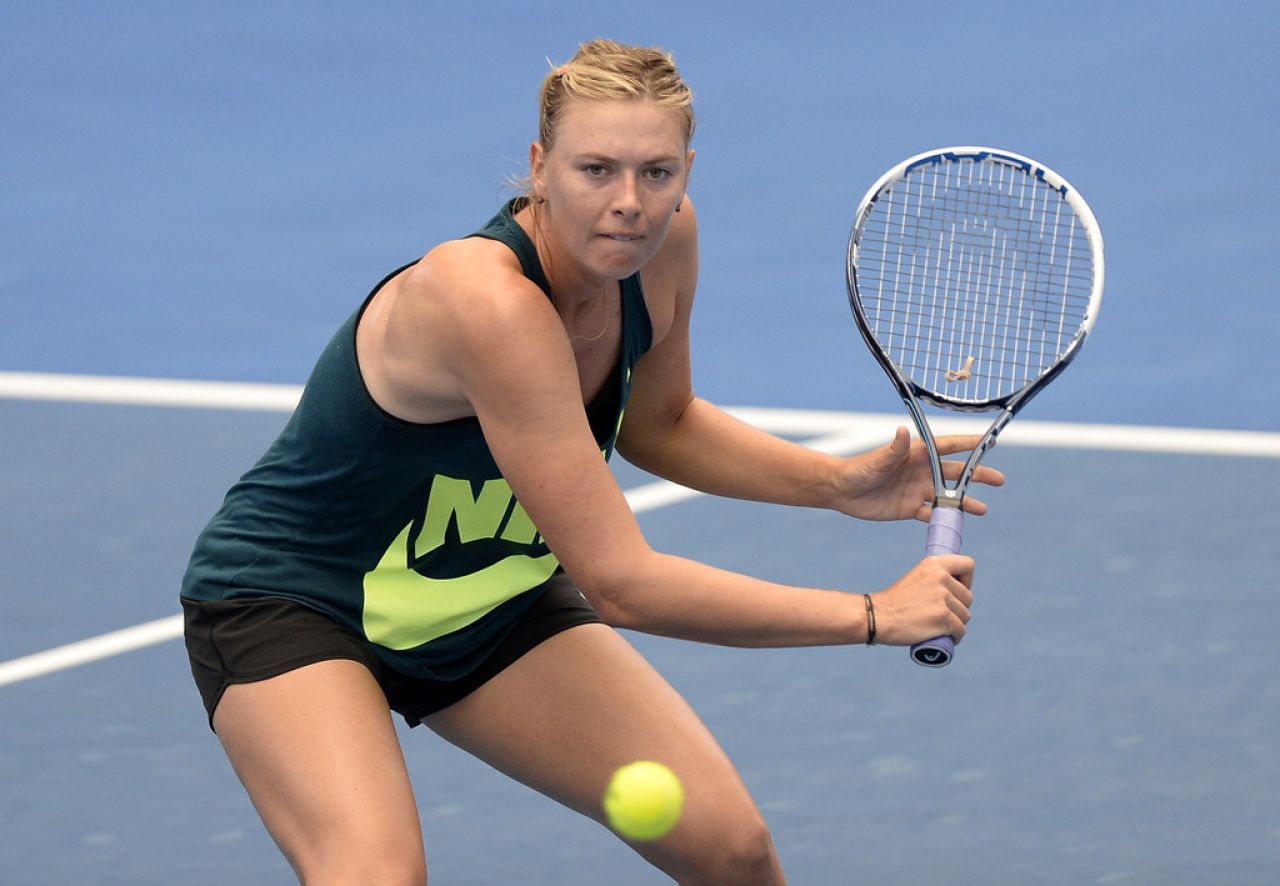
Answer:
(490, 335)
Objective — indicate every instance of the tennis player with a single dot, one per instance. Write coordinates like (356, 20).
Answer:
(436, 532)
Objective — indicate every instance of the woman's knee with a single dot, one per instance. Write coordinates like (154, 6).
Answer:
(359, 856)
(729, 846)
(743, 855)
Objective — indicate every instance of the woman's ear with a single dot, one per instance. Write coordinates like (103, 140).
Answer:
(537, 161)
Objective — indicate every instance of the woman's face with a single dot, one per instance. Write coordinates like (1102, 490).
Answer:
(614, 175)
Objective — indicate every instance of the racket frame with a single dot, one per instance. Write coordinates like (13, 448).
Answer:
(913, 395)
(946, 521)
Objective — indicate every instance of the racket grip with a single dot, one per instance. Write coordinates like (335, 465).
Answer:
(946, 532)
(945, 536)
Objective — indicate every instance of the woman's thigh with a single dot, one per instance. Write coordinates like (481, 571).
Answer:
(567, 714)
(318, 753)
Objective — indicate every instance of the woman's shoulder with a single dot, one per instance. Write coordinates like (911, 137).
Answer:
(463, 262)
(456, 312)
(471, 276)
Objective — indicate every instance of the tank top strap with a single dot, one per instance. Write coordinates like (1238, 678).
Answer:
(503, 227)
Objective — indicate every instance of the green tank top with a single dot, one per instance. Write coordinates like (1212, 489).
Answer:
(405, 533)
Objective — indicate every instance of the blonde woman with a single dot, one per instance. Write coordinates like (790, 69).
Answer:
(436, 533)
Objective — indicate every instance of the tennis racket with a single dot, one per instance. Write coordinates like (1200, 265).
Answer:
(975, 276)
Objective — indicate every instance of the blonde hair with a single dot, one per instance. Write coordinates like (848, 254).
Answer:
(605, 69)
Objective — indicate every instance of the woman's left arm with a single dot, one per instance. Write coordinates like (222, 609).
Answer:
(671, 433)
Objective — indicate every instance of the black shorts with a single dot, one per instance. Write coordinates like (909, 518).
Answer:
(247, 639)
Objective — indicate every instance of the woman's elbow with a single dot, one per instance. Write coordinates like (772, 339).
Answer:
(615, 594)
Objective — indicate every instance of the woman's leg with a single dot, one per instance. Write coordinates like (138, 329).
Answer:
(318, 753)
(568, 713)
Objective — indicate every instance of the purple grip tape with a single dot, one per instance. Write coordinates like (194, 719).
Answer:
(945, 532)
(945, 536)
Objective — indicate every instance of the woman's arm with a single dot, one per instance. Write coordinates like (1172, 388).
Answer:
(671, 433)
(502, 346)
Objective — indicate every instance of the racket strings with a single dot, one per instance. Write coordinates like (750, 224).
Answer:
(975, 278)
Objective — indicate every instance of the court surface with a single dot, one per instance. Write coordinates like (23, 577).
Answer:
(194, 197)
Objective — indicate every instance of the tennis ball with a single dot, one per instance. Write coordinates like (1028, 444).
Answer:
(644, 800)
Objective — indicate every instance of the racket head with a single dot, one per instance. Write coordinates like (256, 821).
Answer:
(975, 276)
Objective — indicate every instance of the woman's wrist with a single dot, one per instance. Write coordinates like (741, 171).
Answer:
(830, 492)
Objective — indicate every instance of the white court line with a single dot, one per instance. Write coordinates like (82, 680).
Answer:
(71, 655)
(283, 398)
(1026, 432)
(641, 498)
(838, 433)
(148, 391)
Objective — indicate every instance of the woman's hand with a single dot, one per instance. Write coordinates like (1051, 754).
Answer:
(894, 481)
(932, 600)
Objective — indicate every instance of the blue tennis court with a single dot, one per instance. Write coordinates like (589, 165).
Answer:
(194, 197)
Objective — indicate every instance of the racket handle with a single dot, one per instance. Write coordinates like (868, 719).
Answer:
(945, 536)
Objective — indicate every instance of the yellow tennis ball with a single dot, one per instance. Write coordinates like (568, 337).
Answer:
(644, 800)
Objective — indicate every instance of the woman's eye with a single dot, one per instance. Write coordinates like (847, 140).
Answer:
(595, 169)
(658, 174)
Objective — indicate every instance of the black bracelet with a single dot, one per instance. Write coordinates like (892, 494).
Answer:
(871, 621)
